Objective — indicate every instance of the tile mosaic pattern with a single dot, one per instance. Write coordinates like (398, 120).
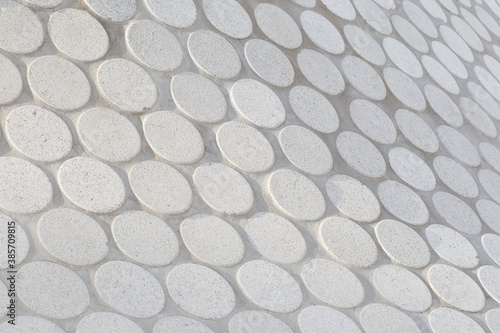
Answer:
(251, 166)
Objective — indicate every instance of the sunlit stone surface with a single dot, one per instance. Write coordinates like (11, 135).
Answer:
(250, 166)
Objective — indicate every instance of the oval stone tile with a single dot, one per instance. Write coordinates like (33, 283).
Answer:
(67, 298)
(332, 283)
(296, 195)
(72, 237)
(276, 238)
(24, 188)
(269, 286)
(223, 189)
(199, 232)
(113, 282)
(145, 238)
(200, 291)
(91, 185)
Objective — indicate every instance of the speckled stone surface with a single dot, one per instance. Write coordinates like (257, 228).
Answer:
(250, 166)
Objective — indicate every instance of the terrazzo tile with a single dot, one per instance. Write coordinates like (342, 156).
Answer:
(420, 19)
(320, 72)
(403, 202)
(24, 188)
(200, 291)
(22, 31)
(490, 181)
(245, 147)
(467, 33)
(112, 282)
(108, 135)
(372, 121)
(452, 246)
(352, 198)
(404, 88)
(341, 8)
(491, 245)
(449, 60)
(72, 237)
(36, 289)
(178, 14)
(45, 3)
(58, 83)
(223, 188)
(458, 145)
(363, 78)
(78, 34)
(256, 321)
(488, 276)
(180, 324)
(360, 154)
(492, 65)
(409, 33)
(296, 195)
(411, 169)
(226, 125)
(489, 210)
(154, 45)
(305, 150)
(478, 117)
(100, 322)
(493, 320)
(456, 43)
(319, 318)
(269, 62)
(448, 320)
(276, 238)
(489, 22)
(463, 294)
(257, 103)
(455, 176)
(126, 85)
(402, 57)
(11, 83)
(417, 131)
(213, 54)
(380, 318)
(38, 133)
(364, 44)
(145, 238)
(443, 105)
(114, 10)
(402, 244)
(269, 286)
(322, 32)
(488, 81)
(278, 26)
(313, 109)
(402, 288)
(160, 187)
(198, 97)
(197, 233)
(332, 283)
(434, 9)
(91, 185)
(475, 24)
(229, 17)
(348, 242)
(373, 15)
(456, 213)
(440, 75)
(173, 137)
